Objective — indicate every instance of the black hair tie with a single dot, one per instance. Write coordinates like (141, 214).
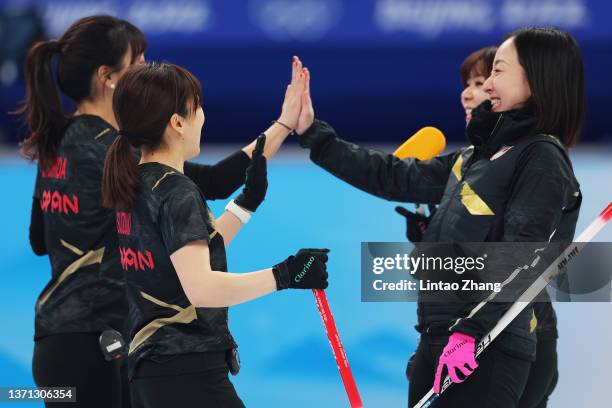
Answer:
(131, 138)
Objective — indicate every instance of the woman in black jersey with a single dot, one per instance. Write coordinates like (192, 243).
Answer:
(543, 372)
(85, 295)
(514, 184)
(173, 251)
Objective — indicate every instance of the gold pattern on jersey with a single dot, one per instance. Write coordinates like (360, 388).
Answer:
(161, 178)
(473, 203)
(533, 323)
(457, 167)
(102, 133)
(213, 223)
(459, 164)
(72, 248)
(184, 316)
(88, 258)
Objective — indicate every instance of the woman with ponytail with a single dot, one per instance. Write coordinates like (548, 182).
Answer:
(173, 251)
(44, 113)
(85, 295)
(84, 302)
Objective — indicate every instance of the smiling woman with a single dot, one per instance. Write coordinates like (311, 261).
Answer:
(474, 71)
(485, 193)
(543, 68)
(173, 250)
(507, 86)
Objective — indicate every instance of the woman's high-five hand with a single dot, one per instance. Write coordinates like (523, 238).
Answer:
(307, 114)
(293, 96)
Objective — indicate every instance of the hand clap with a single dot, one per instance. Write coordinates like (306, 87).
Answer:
(292, 104)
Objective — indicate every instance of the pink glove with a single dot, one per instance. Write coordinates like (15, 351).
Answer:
(459, 352)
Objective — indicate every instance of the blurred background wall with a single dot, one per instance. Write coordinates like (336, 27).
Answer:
(381, 69)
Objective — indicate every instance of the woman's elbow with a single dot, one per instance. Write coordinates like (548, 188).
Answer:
(205, 298)
(39, 250)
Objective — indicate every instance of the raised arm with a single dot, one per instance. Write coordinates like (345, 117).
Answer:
(288, 119)
(239, 210)
(221, 180)
(374, 172)
(378, 173)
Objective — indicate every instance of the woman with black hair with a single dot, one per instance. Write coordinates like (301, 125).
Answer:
(85, 295)
(515, 183)
(543, 372)
(173, 251)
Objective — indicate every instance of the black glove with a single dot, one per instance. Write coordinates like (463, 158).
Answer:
(306, 270)
(256, 181)
(416, 224)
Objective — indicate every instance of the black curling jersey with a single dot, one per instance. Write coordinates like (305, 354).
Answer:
(169, 212)
(86, 290)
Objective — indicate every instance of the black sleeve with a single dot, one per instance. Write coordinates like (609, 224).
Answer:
(222, 179)
(543, 187)
(380, 174)
(37, 229)
(183, 218)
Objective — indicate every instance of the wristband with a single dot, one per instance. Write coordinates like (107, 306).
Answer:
(243, 215)
(291, 131)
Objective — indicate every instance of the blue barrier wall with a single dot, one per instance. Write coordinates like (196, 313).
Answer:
(381, 69)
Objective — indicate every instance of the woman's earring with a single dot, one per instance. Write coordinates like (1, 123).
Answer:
(112, 86)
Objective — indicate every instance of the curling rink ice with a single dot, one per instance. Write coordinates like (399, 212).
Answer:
(281, 339)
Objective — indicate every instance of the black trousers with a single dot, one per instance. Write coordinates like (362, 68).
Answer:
(75, 360)
(180, 383)
(498, 381)
(543, 375)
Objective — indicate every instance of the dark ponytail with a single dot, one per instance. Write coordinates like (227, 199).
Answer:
(88, 44)
(144, 100)
(42, 108)
(121, 176)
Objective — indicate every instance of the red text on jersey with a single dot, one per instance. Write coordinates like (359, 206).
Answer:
(136, 259)
(54, 201)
